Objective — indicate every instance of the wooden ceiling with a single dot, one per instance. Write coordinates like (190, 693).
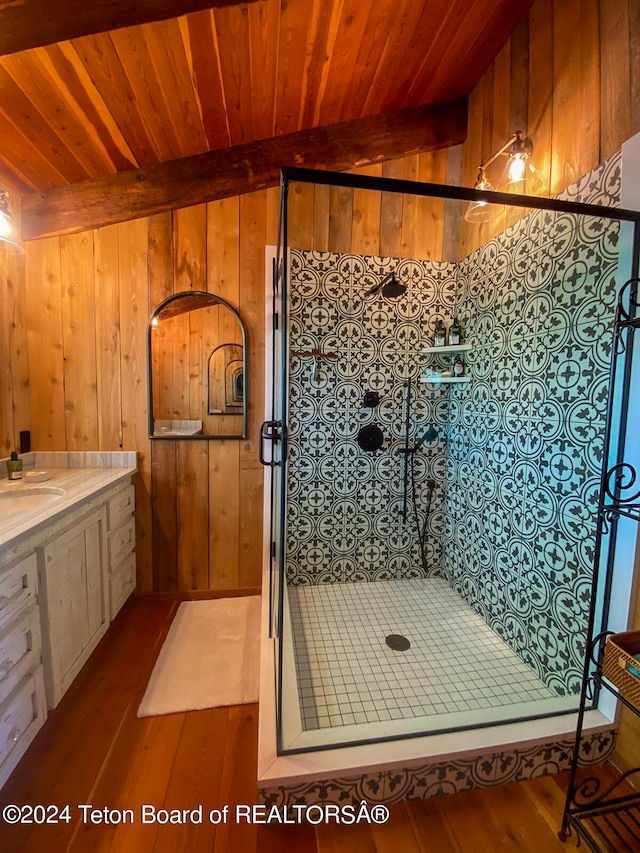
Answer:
(112, 94)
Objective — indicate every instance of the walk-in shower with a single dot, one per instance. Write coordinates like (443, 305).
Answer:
(466, 530)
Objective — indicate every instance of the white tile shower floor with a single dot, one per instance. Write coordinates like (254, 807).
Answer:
(457, 671)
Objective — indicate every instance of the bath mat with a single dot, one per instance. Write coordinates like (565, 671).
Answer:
(210, 658)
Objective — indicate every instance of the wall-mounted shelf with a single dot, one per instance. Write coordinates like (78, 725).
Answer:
(448, 349)
(445, 380)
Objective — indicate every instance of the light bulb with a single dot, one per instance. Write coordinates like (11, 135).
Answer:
(8, 234)
(6, 229)
(517, 166)
(482, 211)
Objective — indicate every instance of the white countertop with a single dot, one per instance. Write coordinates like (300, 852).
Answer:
(79, 485)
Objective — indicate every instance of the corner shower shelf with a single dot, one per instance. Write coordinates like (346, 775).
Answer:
(448, 349)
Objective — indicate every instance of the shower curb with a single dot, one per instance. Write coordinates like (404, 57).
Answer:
(420, 781)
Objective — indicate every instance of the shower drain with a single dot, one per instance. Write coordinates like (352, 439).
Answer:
(397, 642)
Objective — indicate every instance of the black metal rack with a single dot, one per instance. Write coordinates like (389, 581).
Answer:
(608, 819)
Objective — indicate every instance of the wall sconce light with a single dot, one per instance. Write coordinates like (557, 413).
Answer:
(8, 233)
(483, 211)
(519, 176)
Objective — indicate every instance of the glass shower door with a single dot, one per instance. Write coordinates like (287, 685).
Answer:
(273, 456)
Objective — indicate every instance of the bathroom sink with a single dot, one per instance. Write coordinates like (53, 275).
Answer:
(21, 498)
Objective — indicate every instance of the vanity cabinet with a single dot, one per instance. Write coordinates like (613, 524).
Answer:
(23, 707)
(74, 599)
(86, 572)
(65, 571)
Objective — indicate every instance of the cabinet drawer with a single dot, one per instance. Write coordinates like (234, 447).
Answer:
(21, 715)
(121, 584)
(121, 542)
(18, 586)
(119, 506)
(19, 649)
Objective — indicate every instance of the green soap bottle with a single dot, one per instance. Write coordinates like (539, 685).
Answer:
(14, 467)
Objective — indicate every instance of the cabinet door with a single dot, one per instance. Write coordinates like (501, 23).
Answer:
(66, 593)
(75, 593)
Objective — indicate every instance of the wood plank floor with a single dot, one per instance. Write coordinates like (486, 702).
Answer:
(94, 750)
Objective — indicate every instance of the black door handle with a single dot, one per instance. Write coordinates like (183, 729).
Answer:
(269, 431)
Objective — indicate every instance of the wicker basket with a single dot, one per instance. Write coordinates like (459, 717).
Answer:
(618, 653)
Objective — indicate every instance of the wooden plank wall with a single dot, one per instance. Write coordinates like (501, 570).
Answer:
(570, 77)
(14, 366)
(14, 362)
(88, 301)
(340, 219)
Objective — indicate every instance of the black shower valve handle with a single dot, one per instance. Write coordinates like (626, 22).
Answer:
(370, 438)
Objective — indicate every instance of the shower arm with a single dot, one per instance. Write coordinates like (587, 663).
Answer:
(316, 355)
(378, 287)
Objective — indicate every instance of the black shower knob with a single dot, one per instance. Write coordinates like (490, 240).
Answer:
(370, 438)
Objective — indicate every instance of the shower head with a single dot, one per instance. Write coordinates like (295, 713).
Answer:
(390, 287)
(429, 435)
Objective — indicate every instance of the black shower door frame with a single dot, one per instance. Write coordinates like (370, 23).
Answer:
(603, 564)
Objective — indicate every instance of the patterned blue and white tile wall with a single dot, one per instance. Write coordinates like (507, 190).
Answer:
(526, 435)
(518, 452)
(345, 505)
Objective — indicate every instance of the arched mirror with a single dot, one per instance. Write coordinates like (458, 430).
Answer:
(197, 368)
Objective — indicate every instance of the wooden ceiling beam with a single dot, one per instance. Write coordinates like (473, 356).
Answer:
(240, 169)
(36, 23)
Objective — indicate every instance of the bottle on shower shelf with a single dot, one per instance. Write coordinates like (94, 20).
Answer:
(458, 366)
(439, 334)
(455, 333)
